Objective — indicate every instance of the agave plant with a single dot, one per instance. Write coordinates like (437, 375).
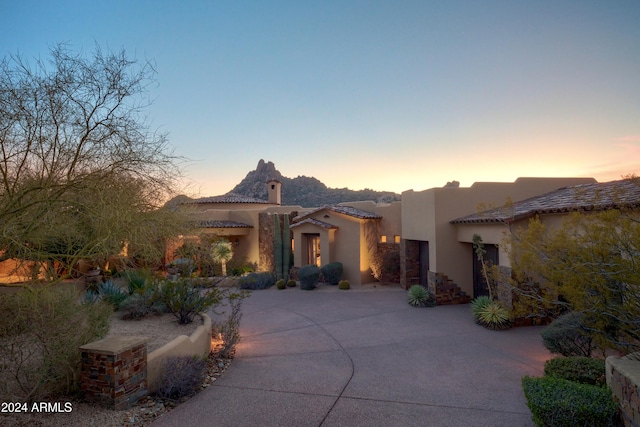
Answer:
(478, 304)
(418, 296)
(494, 316)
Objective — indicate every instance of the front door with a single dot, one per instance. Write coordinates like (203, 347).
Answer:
(313, 249)
(479, 281)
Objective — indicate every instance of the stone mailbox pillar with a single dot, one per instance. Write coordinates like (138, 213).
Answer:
(114, 371)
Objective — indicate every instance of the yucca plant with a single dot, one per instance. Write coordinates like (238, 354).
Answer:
(418, 296)
(478, 304)
(494, 316)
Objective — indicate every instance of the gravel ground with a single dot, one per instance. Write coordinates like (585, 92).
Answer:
(160, 329)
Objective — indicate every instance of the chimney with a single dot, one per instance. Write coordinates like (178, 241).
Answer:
(273, 190)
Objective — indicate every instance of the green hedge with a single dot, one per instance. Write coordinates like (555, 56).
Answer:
(332, 273)
(555, 402)
(584, 370)
(309, 276)
(567, 336)
(257, 281)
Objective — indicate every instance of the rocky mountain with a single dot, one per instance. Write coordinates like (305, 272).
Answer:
(304, 190)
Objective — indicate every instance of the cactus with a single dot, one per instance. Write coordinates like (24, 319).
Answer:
(286, 247)
(277, 246)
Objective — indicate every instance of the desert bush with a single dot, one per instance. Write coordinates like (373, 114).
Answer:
(40, 332)
(185, 300)
(229, 330)
(493, 315)
(291, 283)
(562, 403)
(332, 272)
(136, 279)
(567, 336)
(580, 369)
(181, 376)
(417, 296)
(344, 285)
(281, 284)
(478, 304)
(112, 294)
(257, 281)
(309, 276)
(239, 267)
(143, 302)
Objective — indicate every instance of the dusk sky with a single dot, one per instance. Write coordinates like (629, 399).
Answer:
(388, 95)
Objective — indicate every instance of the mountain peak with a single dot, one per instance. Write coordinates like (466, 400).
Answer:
(303, 190)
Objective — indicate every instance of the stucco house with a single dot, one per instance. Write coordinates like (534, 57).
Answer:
(551, 208)
(349, 233)
(431, 229)
(432, 254)
(245, 221)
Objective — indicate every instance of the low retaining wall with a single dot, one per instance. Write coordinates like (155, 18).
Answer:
(623, 377)
(198, 344)
(117, 371)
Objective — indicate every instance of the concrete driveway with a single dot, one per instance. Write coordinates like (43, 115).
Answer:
(364, 357)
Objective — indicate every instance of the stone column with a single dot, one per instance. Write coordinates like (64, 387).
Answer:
(114, 371)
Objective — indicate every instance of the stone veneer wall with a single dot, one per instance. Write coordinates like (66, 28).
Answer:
(409, 263)
(445, 290)
(265, 238)
(382, 250)
(114, 371)
(265, 241)
(623, 377)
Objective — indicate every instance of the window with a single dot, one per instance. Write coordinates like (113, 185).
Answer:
(383, 239)
(396, 239)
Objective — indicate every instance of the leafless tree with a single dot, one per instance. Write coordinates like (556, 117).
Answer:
(81, 172)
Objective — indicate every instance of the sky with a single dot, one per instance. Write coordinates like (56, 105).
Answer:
(387, 95)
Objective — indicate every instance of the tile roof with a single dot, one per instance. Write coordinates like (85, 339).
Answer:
(583, 197)
(314, 222)
(221, 224)
(345, 210)
(228, 198)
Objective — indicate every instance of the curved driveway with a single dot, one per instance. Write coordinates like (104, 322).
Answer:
(364, 357)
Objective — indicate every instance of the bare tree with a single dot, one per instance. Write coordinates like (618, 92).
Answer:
(81, 173)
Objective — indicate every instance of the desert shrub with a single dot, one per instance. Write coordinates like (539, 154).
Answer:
(567, 336)
(239, 267)
(112, 294)
(344, 285)
(309, 276)
(181, 376)
(281, 284)
(40, 332)
(186, 266)
(185, 300)
(332, 273)
(137, 279)
(478, 304)
(558, 402)
(493, 315)
(417, 296)
(229, 330)
(257, 281)
(291, 283)
(144, 301)
(580, 369)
